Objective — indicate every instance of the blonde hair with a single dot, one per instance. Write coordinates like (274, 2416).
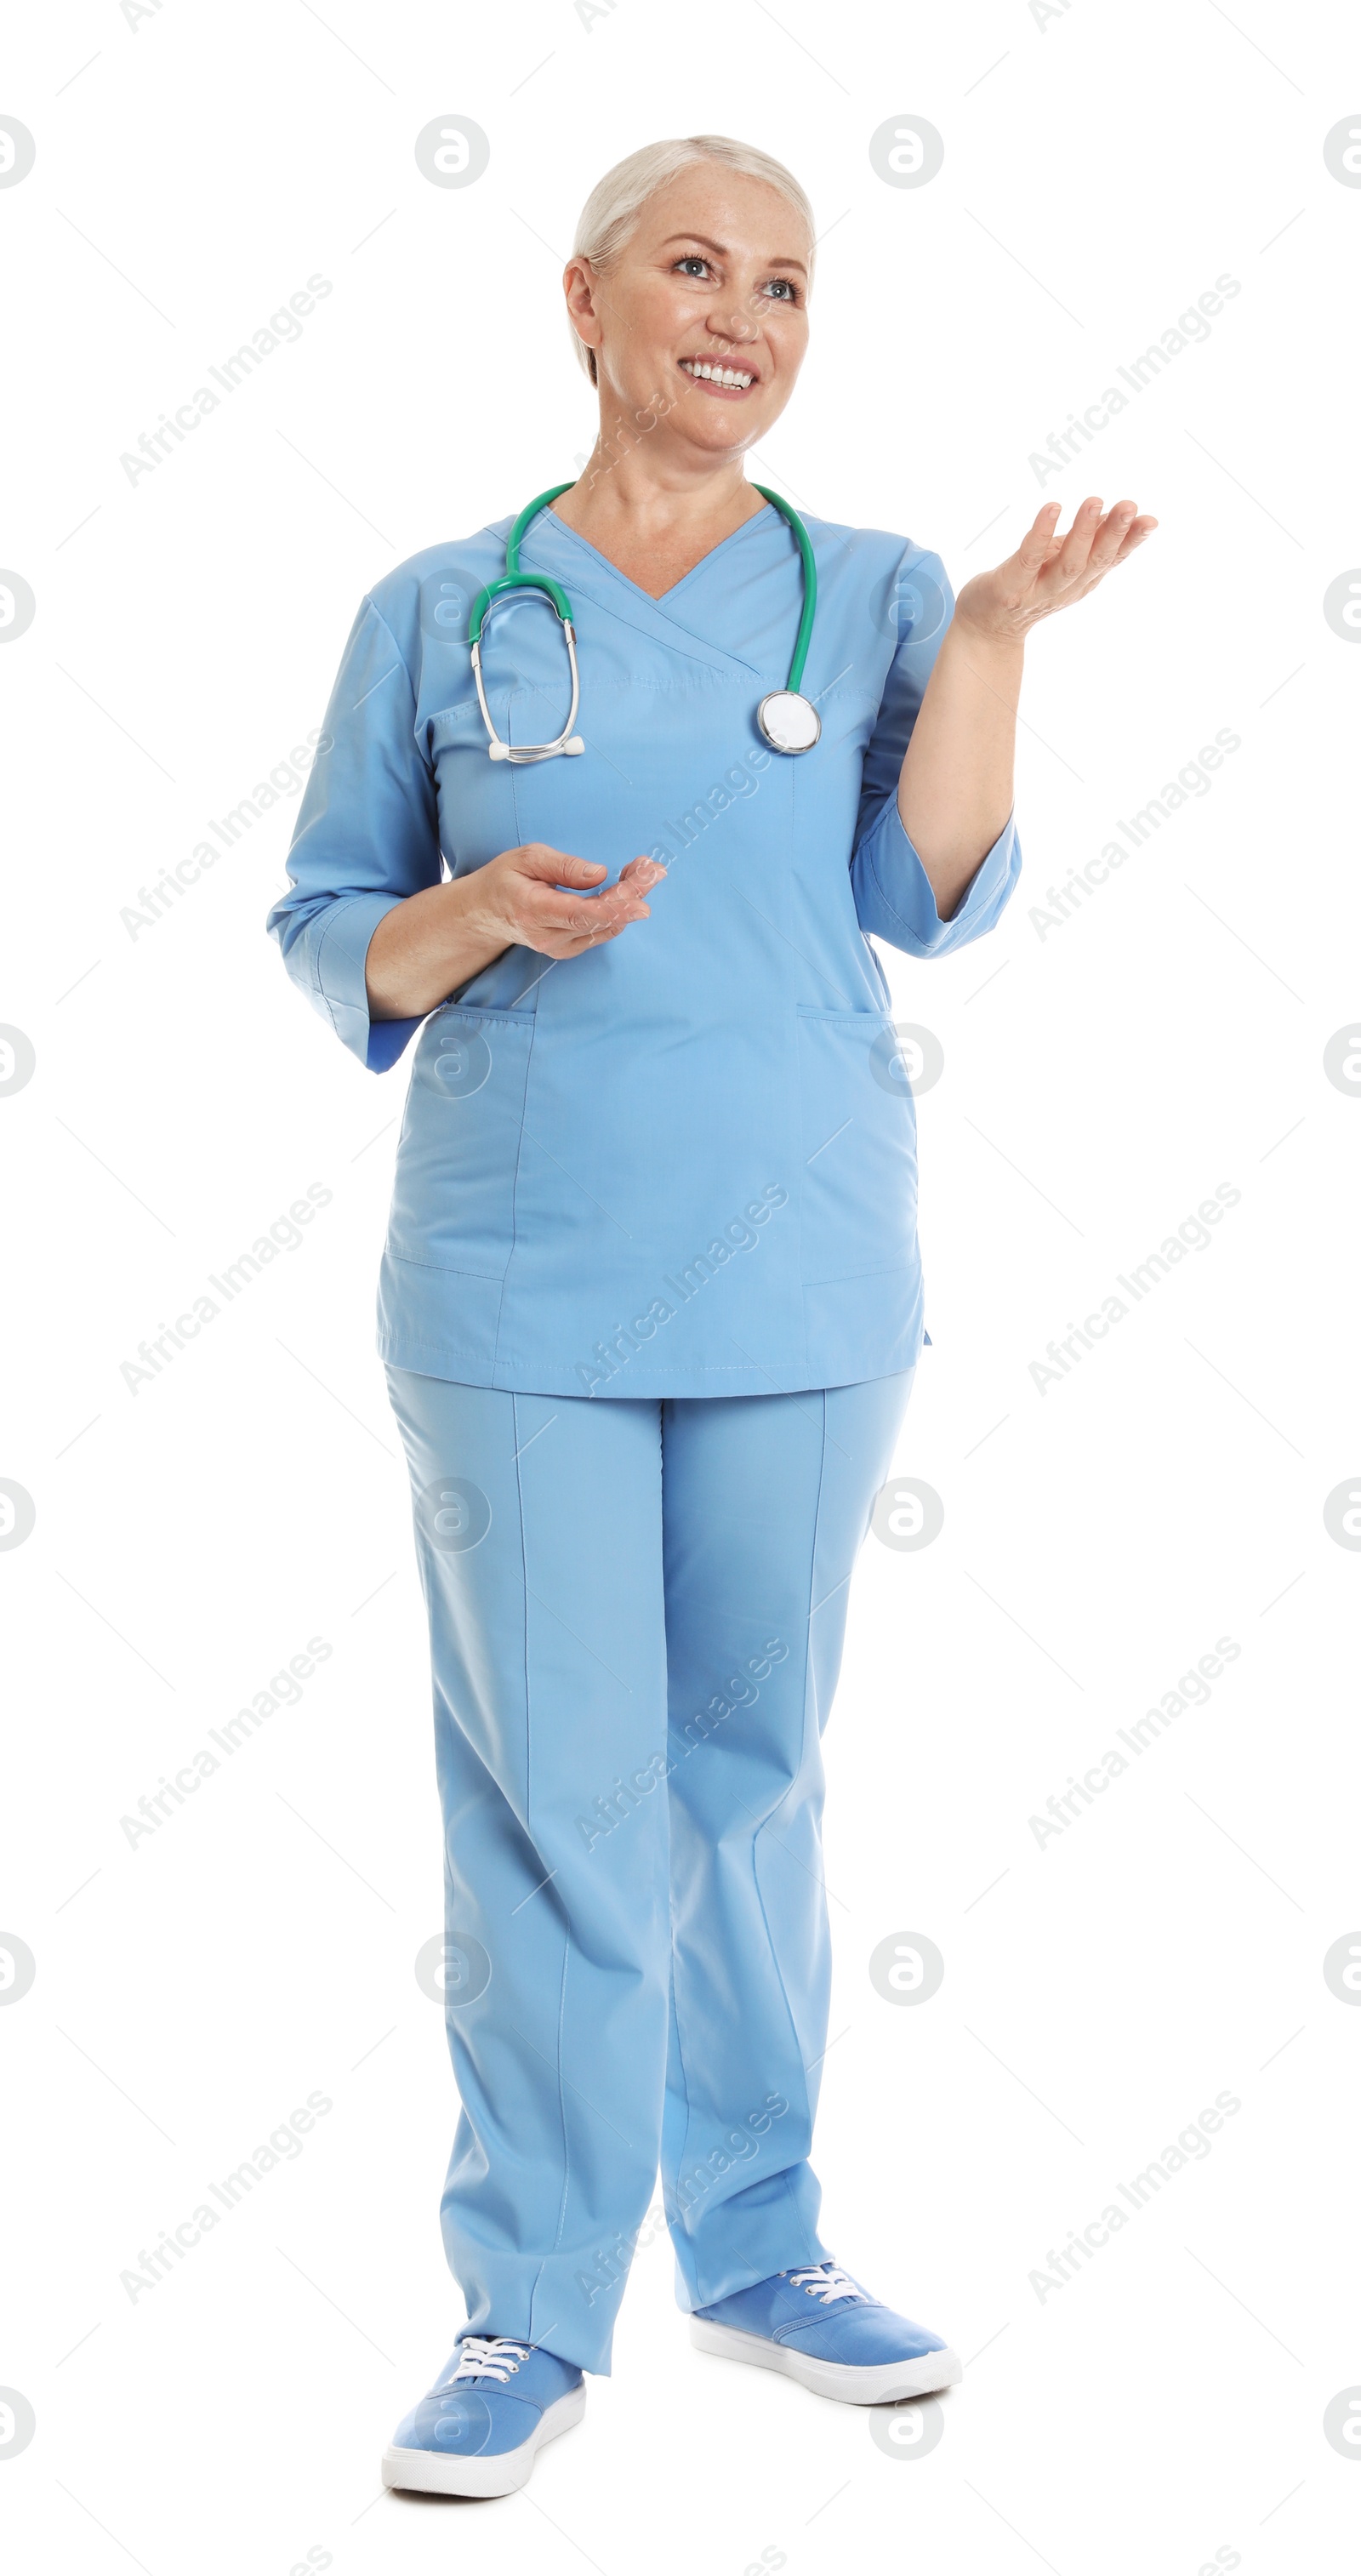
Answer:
(615, 203)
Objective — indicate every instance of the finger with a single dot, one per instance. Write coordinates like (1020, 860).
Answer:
(1122, 532)
(552, 916)
(1037, 544)
(607, 914)
(632, 884)
(549, 909)
(1132, 538)
(619, 902)
(1071, 561)
(552, 904)
(1110, 536)
(571, 938)
(596, 938)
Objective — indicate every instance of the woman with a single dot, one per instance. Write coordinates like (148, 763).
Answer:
(651, 1303)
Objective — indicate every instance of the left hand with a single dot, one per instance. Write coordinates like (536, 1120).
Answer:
(1048, 571)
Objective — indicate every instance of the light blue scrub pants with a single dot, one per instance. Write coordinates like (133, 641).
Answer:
(636, 1617)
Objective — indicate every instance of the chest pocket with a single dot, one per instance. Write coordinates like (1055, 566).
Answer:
(453, 1203)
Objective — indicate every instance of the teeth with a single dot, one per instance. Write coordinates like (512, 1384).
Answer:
(716, 375)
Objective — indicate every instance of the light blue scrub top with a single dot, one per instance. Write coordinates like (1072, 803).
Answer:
(684, 1163)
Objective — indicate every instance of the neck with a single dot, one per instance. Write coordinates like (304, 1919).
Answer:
(641, 480)
(652, 502)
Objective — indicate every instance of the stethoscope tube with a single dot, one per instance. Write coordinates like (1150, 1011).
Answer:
(804, 637)
(511, 580)
(788, 720)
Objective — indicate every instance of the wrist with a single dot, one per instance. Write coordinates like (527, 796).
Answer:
(471, 905)
(988, 642)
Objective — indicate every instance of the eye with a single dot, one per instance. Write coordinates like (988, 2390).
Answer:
(691, 260)
(782, 290)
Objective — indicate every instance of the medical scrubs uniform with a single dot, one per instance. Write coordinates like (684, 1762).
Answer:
(650, 1305)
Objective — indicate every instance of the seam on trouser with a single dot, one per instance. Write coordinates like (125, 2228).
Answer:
(529, 1829)
(803, 1737)
(673, 2014)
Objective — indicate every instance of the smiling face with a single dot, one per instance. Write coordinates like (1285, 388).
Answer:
(706, 307)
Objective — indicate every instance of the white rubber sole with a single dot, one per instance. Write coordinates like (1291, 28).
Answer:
(496, 2473)
(854, 2383)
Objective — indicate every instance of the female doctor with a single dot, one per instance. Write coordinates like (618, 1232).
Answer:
(613, 798)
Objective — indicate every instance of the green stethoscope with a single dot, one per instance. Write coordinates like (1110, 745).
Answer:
(789, 721)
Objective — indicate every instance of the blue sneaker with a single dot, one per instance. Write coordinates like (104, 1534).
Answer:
(818, 2326)
(494, 2404)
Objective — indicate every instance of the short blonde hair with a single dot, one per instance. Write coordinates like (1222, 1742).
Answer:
(615, 203)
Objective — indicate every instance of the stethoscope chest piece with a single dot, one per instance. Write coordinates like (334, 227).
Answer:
(788, 721)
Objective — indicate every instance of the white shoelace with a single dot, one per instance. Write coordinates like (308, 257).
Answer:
(497, 2355)
(826, 2281)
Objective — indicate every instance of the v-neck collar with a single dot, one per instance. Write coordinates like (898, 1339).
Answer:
(594, 576)
(659, 599)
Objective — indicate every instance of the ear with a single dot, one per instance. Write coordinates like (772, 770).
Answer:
(580, 289)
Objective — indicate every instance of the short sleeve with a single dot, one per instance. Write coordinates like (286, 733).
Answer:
(367, 836)
(893, 894)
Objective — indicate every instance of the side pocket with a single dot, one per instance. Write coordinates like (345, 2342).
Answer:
(453, 1197)
(858, 1203)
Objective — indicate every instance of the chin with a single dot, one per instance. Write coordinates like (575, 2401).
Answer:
(724, 430)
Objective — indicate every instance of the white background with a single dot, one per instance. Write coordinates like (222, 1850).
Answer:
(1100, 172)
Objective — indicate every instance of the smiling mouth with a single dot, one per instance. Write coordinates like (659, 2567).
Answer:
(718, 377)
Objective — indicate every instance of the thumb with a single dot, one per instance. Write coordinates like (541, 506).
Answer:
(539, 859)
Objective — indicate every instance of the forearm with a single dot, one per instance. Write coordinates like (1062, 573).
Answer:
(533, 897)
(426, 947)
(955, 788)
